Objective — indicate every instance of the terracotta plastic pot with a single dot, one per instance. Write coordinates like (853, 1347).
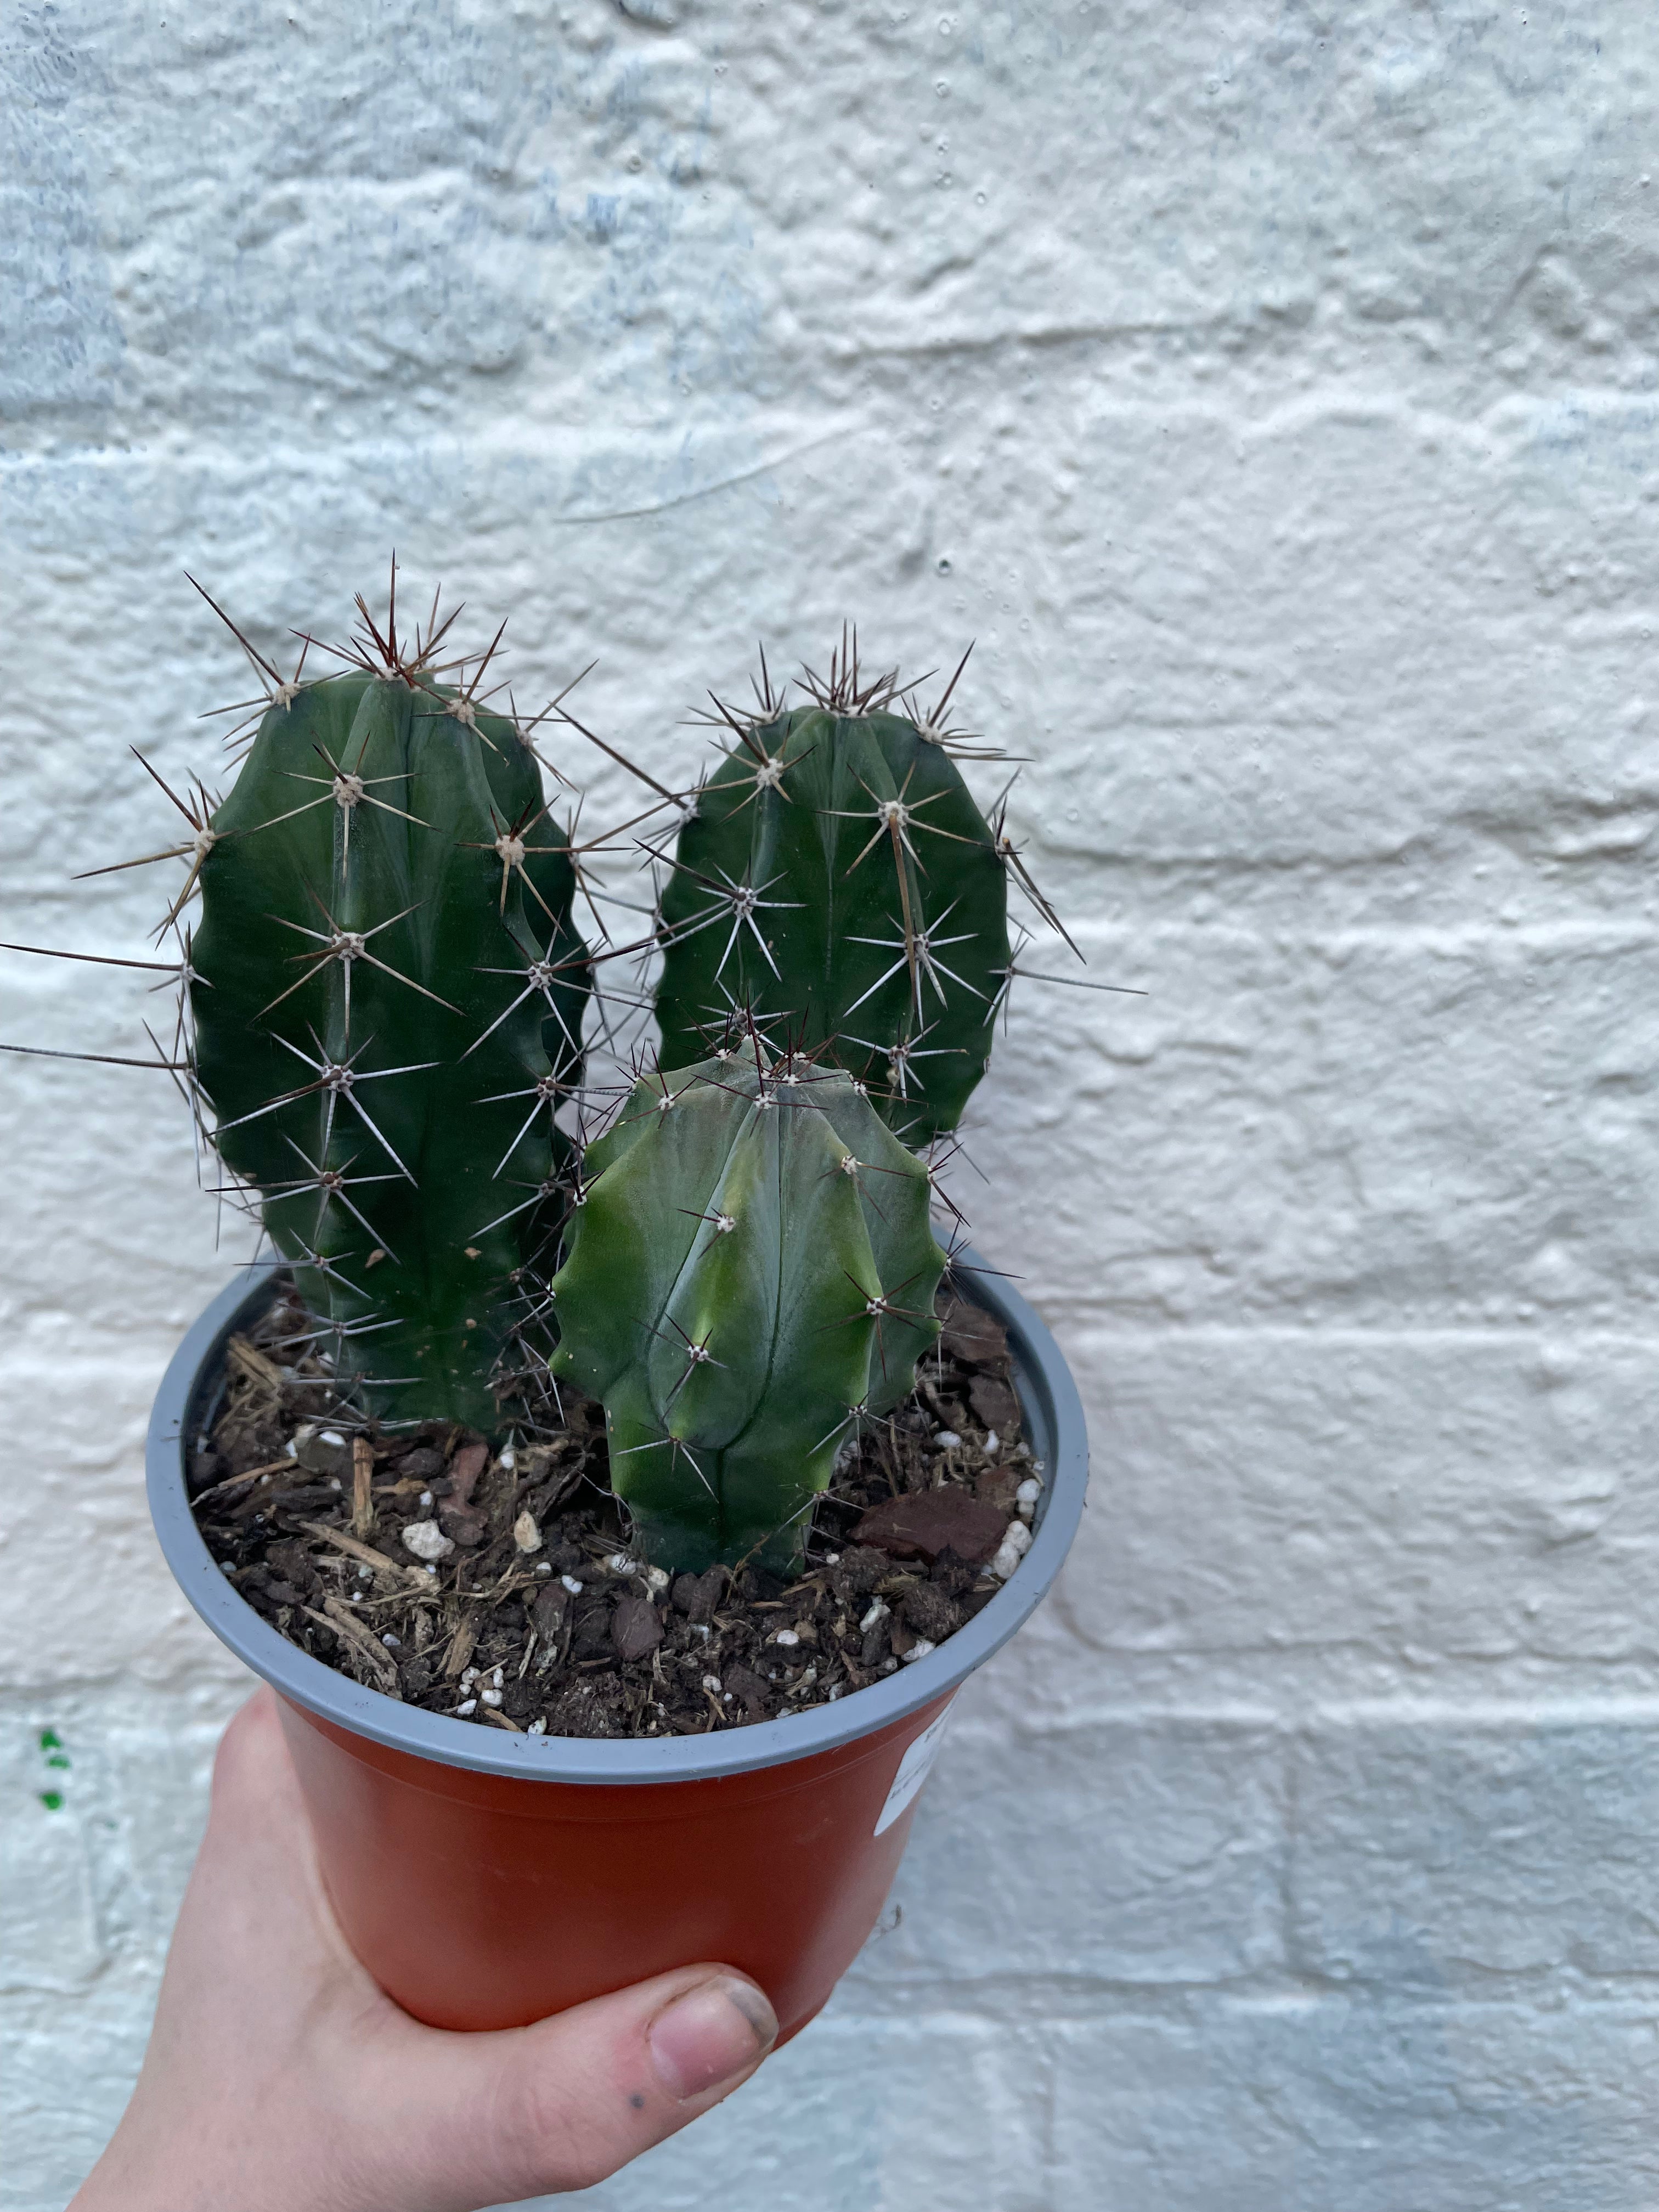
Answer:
(486, 1878)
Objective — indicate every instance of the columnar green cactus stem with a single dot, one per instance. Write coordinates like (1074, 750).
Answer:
(387, 997)
(751, 1269)
(838, 877)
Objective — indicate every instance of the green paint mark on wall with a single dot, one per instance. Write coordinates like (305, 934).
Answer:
(55, 1756)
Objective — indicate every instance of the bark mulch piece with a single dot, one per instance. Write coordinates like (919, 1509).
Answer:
(501, 1588)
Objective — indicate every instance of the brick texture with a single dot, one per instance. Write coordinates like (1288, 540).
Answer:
(1268, 391)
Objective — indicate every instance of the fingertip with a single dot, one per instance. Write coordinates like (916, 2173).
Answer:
(710, 2036)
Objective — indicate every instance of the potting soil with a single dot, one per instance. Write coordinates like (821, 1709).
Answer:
(501, 1588)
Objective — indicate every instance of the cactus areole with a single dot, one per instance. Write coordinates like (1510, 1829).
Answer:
(838, 883)
(387, 995)
(750, 1271)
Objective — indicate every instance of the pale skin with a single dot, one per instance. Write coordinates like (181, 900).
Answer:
(279, 2078)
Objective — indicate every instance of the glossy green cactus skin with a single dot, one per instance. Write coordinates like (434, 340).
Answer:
(751, 1264)
(838, 876)
(359, 918)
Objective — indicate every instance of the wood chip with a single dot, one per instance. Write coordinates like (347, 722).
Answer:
(253, 1363)
(464, 1470)
(415, 1577)
(995, 1404)
(494, 1713)
(461, 1646)
(363, 1468)
(635, 1627)
(930, 1521)
(973, 1334)
(271, 1467)
(338, 1615)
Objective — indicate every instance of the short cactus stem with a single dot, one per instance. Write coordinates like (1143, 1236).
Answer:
(838, 883)
(752, 1271)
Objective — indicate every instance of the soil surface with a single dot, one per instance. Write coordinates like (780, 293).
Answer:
(500, 1588)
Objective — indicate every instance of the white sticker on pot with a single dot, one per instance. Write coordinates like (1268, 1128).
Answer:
(913, 1770)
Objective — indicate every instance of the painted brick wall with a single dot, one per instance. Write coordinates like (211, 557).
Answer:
(1269, 389)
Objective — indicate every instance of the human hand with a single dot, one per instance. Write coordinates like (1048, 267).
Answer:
(279, 2078)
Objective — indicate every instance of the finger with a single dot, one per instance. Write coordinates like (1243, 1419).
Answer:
(482, 2119)
(253, 1889)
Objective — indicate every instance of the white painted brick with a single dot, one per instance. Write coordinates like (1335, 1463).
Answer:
(69, 2072)
(1305, 2104)
(1114, 1851)
(1437, 1856)
(1396, 1505)
(88, 1895)
(1342, 1131)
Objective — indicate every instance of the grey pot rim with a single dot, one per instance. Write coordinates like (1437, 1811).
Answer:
(1053, 1426)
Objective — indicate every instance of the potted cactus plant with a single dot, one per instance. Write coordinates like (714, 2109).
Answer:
(497, 1267)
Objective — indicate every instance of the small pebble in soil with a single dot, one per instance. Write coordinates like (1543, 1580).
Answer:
(947, 1440)
(786, 1636)
(392, 1642)
(508, 1459)
(919, 1650)
(620, 1564)
(426, 1498)
(993, 1444)
(526, 1535)
(427, 1540)
(571, 1584)
(537, 1727)
(1012, 1550)
(492, 1697)
(467, 1705)
(712, 1684)
(1026, 1496)
(543, 1566)
(877, 1612)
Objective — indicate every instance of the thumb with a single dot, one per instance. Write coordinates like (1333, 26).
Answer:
(489, 2119)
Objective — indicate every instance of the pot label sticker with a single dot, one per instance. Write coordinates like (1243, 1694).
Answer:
(913, 1770)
